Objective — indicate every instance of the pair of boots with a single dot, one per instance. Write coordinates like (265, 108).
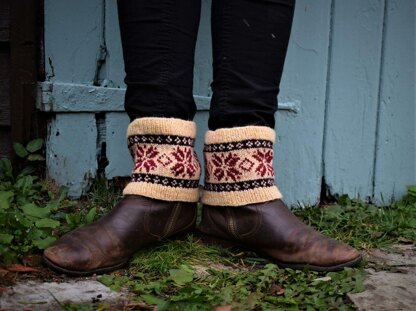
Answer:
(242, 205)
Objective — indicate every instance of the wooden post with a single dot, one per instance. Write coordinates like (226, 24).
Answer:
(25, 39)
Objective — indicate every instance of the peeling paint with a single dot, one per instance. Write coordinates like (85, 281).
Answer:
(330, 75)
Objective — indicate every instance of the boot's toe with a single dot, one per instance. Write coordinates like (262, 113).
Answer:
(347, 254)
(335, 254)
(68, 256)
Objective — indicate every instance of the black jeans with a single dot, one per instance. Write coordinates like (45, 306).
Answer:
(249, 39)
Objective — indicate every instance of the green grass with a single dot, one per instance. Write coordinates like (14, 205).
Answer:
(188, 275)
(365, 225)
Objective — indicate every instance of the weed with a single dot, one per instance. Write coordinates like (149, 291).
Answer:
(187, 275)
(365, 225)
(104, 194)
(31, 215)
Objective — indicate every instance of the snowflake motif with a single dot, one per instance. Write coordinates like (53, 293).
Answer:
(246, 165)
(265, 159)
(208, 167)
(224, 166)
(186, 162)
(164, 159)
(145, 158)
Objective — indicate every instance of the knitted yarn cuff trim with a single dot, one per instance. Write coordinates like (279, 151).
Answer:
(166, 166)
(239, 166)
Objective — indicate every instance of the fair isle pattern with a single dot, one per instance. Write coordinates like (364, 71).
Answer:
(166, 166)
(165, 181)
(240, 186)
(250, 164)
(239, 167)
(160, 139)
(165, 160)
(245, 144)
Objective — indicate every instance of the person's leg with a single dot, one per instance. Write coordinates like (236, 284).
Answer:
(242, 204)
(158, 39)
(250, 39)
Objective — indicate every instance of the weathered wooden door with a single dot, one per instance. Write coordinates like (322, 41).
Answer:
(346, 105)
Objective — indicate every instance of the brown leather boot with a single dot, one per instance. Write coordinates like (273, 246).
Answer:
(270, 228)
(108, 243)
(242, 204)
(160, 201)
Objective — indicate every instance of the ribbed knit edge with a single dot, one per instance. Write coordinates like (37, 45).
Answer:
(239, 133)
(240, 198)
(161, 192)
(162, 126)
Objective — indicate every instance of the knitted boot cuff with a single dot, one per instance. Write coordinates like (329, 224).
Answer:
(239, 166)
(166, 166)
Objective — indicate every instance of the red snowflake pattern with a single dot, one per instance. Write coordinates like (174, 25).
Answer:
(265, 162)
(208, 167)
(186, 163)
(224, 166)
(145, 158)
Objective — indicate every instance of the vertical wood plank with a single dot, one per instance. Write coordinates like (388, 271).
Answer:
(201, 119)
(203, 53)
(73, 37)
(120, 162)
(395, 154)
(71, 151)
(298, 151)
(353, 96)
(5, 143)
(114, 63)
(4, 88)
(4, 21)
(24, 46)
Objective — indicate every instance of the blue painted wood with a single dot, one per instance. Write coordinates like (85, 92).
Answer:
(114, 64)
(71, 151)
(342, 147)
(299, 145)
(119, 159)
(352, 99)
(203, 53)
(73, 38)
(396, 140)
(201, 119)
(73, 97)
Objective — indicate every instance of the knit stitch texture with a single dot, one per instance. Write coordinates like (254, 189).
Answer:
(239, 166)
(166, 166)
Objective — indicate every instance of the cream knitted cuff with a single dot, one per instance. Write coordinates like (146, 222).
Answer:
(166, 166)
(239, 166)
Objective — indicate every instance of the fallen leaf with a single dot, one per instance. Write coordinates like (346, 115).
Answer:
(20, 268)
(2, 271)
(139, 306)
(324, 279)
(32, 260)
(277, 290)
(406, 240)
